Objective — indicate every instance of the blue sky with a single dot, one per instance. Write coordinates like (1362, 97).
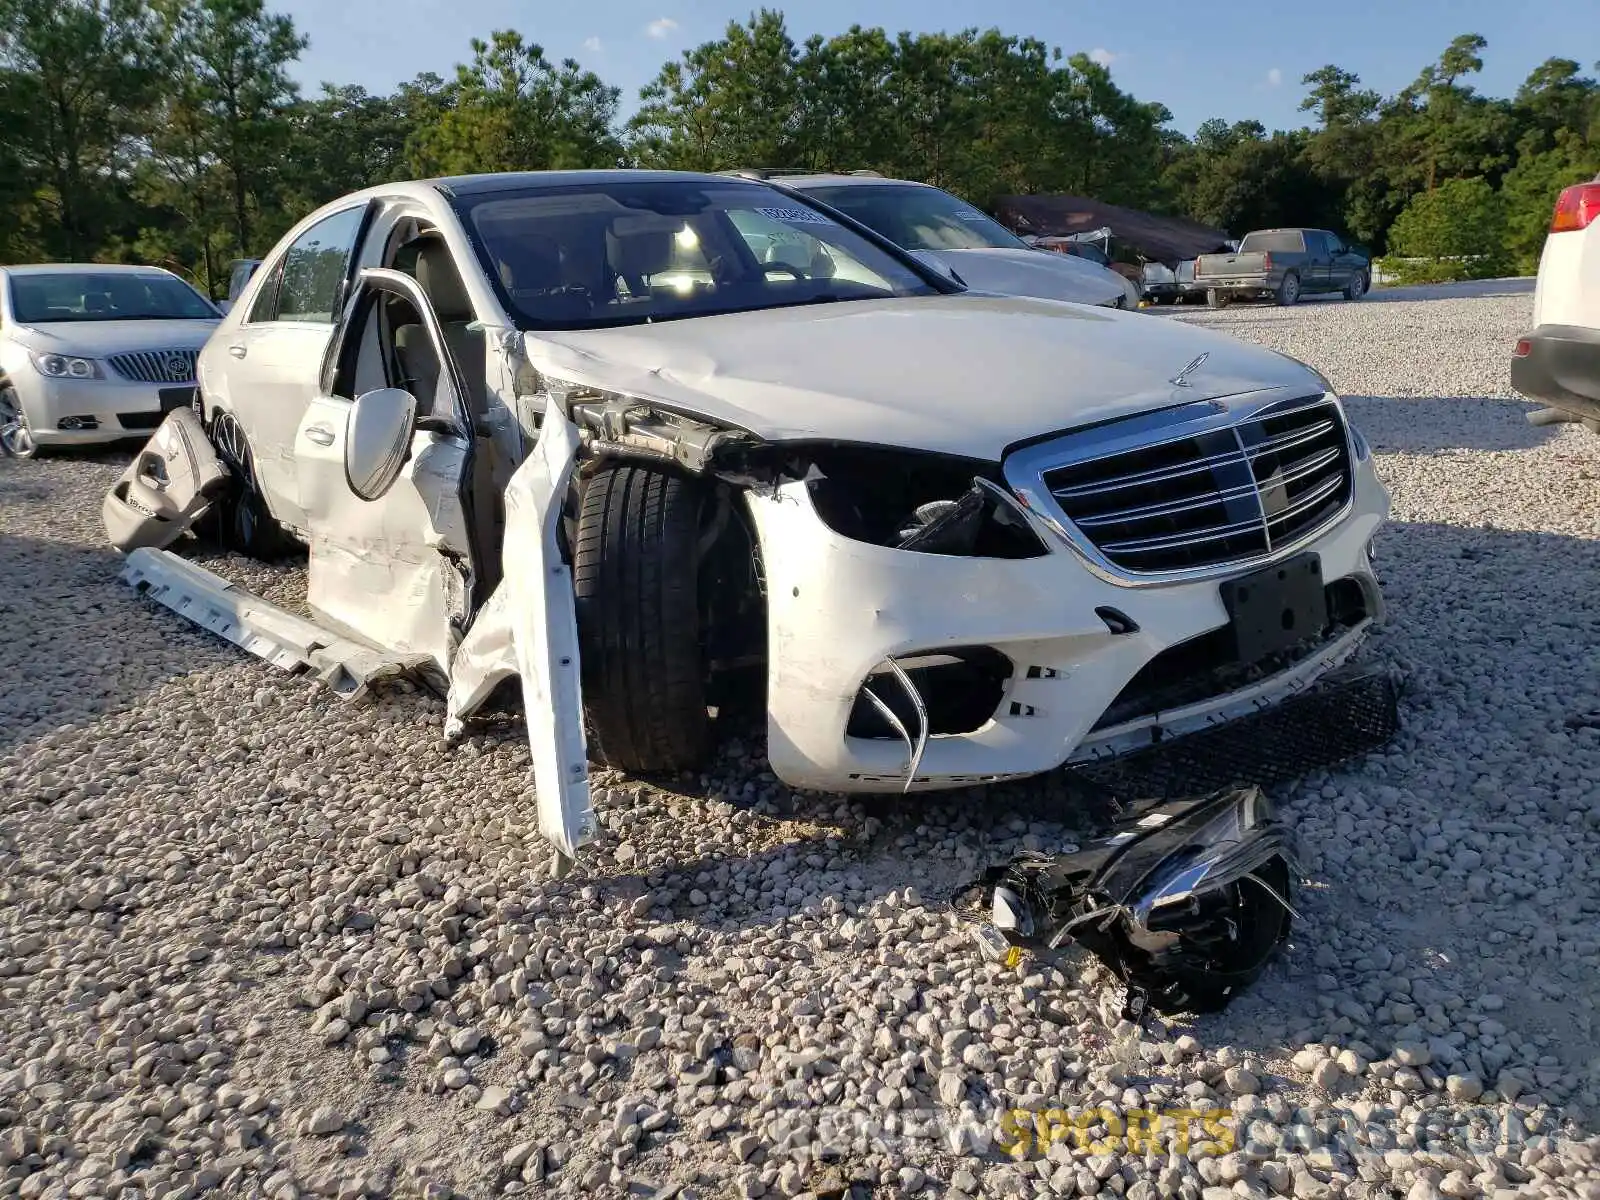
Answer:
(1235, 59)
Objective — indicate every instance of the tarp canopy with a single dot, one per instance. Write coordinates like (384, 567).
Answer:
(1163, 239)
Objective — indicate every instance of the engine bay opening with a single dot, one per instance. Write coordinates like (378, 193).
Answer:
(961, 687)
(933, 504)
(733, 619)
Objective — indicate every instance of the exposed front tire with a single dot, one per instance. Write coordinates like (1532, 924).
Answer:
(243, 522)
(16, 439)
(1289, 289)
(1357, 287)
(635, 574)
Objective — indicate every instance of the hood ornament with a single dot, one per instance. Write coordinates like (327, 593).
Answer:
(1181, 379)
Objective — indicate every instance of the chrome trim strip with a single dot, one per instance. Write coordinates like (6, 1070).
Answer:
(1161, 475)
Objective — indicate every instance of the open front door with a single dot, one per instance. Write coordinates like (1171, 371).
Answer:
(529, 628)
(396, 571)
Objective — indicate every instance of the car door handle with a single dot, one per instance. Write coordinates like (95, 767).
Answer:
(321, 435)
(238, 351)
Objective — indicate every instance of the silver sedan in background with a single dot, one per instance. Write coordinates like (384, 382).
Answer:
(94, 353)
(941, 228)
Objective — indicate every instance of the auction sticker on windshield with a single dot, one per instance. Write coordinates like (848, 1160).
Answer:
(795, 216)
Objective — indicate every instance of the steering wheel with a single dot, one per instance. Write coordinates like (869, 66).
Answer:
(768, 268)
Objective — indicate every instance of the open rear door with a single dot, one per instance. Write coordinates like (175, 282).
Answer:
(529, 628)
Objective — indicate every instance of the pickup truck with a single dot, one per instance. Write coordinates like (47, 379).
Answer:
(1284, 264)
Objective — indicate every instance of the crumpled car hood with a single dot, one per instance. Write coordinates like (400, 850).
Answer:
(1035, 273)
(957, 374)
(92, 338)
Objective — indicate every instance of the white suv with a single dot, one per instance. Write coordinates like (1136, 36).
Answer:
(1559, 362)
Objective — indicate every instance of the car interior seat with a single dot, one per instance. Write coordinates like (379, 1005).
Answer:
(541, 277)
(435, 270)
(636, 256)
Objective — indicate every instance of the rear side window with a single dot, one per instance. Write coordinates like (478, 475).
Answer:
(241, 276)
(1274, 241)
(310, 280)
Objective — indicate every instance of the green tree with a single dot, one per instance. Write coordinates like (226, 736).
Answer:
(234, 59)
(78, 82)
(1238, 178)
(347, 138)
(840, 85)
(1461, 218)
(512, 109)
(725, 104)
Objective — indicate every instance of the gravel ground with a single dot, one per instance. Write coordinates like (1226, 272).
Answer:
(258, 942)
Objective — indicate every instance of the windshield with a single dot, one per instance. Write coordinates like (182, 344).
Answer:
(105, 296)
(919, 218)
(594, 255)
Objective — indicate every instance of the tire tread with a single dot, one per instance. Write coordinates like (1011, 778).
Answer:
(634, 574)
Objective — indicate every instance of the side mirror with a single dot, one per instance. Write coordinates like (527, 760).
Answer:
(929, 259)
(377, 437)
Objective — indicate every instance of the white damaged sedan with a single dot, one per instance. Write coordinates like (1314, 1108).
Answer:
(637, 439)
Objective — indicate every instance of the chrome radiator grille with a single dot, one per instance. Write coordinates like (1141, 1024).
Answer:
(1199, 488)
(156, 366)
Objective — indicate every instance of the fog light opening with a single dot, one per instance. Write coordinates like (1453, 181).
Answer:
(957, 690)
(78, 424)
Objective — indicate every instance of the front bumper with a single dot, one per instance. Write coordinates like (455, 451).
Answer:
(1561, 368)
(77, 412)
(838, 609)
(1239, 286)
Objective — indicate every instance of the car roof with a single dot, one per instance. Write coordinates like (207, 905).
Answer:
(81, 268)
(839, 179)
(477, 185)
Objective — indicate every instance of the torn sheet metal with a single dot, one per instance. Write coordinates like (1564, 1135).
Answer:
(1184, 900)
(410, 547)
(288, 642)
(170, 485)
(529, 628)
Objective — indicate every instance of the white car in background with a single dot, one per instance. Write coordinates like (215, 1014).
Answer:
(641, 439)
(984, 253)
(94, 353)
(1558, 363)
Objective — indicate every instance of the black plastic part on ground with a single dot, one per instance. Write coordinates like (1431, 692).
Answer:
(1350, 712)
(1223, 862)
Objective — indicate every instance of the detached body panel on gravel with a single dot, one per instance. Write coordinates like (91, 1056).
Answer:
(672, 431)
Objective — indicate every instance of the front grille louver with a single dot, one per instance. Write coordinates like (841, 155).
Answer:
(1226, 493)
(156, 366)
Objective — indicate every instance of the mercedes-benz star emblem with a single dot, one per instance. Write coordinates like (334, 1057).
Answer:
(1181, 379)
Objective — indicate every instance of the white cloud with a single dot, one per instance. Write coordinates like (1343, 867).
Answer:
(1274, 77)
(1102, 56)
(660, 27)
(593, 45)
